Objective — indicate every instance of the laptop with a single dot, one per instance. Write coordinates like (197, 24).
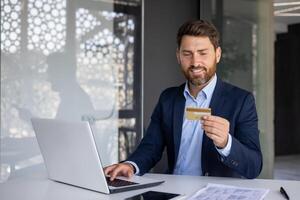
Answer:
(71, 156)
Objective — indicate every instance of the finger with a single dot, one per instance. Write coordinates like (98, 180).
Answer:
(119, 171)
(129, 170)
(115, 173)
(213, 130)
(215, 119)
(109, 169)
(213, 124)
(129, 174)
(213, 137)
(218, 136)
(217, 140)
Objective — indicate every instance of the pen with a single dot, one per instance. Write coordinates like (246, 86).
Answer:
(283, 192)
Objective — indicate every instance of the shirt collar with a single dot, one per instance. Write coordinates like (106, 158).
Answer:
(207, 90)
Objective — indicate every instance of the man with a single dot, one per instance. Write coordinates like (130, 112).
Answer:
(223, 144)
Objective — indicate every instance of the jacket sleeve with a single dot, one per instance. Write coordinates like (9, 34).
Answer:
(245, 155)
(150, 150)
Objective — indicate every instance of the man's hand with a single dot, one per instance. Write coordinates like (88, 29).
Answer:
(121, 169)
(217, 129)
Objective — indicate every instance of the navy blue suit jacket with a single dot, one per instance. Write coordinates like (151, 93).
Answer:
(232, 103)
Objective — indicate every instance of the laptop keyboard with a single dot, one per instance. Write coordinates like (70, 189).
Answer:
(119, 182)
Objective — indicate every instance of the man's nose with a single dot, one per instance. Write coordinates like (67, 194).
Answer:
(195, 60)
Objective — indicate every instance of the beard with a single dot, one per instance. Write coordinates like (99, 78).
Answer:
(201, 79)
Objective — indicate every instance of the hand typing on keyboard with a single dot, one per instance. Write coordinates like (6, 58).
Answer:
(121, 169)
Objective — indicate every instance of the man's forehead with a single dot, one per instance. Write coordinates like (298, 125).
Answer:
(199, 39)
(189, 41)
(196, 46)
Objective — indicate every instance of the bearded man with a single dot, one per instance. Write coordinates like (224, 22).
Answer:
(223, 142)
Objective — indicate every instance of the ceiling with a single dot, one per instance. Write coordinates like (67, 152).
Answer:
(286, 12)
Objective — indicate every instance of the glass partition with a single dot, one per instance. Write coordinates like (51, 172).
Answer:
(73, 60)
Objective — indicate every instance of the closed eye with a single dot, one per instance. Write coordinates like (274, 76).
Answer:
(186, 53)
(203, 52)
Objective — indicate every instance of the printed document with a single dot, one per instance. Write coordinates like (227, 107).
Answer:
(225, 192)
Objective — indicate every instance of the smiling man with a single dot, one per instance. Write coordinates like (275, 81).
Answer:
(222, 142)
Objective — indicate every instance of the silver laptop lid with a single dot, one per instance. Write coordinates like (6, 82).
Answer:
(70, 153)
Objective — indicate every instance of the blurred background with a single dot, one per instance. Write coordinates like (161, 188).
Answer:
(106, 62)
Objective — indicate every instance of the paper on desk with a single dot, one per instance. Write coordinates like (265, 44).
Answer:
(225, 192)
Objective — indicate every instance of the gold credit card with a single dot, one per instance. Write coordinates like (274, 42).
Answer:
(196, 113)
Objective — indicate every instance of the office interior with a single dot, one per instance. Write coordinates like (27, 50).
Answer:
(106, 62)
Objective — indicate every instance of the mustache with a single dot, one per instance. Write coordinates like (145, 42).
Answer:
(197, 67)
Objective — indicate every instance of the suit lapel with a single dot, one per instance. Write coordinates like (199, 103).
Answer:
(179, 105)
(216, 104)
(217, 99)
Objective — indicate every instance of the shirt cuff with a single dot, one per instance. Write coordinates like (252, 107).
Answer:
(226, 150)
(137, 170)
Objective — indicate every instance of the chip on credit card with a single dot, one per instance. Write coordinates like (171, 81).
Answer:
(196, 113)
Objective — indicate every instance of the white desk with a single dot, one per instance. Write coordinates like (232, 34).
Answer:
(38, 187)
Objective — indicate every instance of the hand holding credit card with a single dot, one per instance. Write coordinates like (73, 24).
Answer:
(196, 113)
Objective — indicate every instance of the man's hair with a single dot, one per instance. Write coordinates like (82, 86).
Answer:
(201, 28)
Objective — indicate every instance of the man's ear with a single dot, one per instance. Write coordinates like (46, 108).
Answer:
(178, 56)
(218, 54)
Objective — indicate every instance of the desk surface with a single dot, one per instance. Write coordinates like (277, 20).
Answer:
(38, 187)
